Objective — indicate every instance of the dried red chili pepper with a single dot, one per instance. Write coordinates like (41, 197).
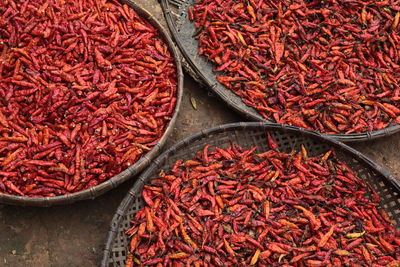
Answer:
(307, 63)
(247, 218)
(82, 84)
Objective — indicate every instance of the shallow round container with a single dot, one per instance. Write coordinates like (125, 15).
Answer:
(136, 168)
(247, 135)
(182, 29)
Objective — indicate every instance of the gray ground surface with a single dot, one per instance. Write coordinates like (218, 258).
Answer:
(74, 235)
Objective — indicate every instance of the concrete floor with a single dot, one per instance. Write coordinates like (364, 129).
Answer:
(74, 235)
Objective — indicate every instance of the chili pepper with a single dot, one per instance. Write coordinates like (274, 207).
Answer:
(69, 100)
(180, 255)
(326, 237)
(321, 62)
(255, 257)
(266, 209)
(313, 220)
(271, 143)
(264, 222)
(386, 245)
(129, 260)
(355, 235)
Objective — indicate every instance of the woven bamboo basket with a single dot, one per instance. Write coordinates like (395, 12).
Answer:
(176, 14)
(136, 168)
(247, 135)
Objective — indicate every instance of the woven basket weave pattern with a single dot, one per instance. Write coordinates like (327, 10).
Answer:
(246, 135)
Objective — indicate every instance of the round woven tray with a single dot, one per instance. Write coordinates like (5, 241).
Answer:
(202, 71)
(247, 135)
(133, 170)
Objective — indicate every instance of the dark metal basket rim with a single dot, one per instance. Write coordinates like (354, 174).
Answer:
(348, 138)
(128, 173)
(147, 174)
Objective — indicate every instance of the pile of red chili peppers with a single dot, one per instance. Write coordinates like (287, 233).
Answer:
(86, 88)
(236, 207)
(331, 66)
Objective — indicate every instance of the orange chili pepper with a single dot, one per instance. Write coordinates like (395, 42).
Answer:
(313, 220)
(326, 237)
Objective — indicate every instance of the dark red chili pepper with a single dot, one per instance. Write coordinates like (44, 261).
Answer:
(329, 217)
(70, 108)
(306, 62)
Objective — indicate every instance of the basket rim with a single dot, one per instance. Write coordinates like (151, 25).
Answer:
(211, 86)
(143, 162)
(148, 173)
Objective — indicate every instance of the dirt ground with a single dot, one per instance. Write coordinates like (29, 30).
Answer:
(74, 235)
